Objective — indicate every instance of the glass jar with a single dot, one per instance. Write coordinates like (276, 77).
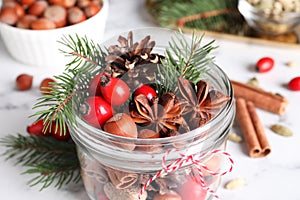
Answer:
(112, 169)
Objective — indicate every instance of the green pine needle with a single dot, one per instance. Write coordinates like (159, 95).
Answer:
(183, 58)
(53, 162)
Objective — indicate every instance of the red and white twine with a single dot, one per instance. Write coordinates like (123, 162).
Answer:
(185, 160)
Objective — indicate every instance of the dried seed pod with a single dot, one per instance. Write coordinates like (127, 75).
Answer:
(281, 130)
(24, 82)
(254, 82)
(42, 24)
(235, 184)
(235, 137)
(292, 64)
(57, 14)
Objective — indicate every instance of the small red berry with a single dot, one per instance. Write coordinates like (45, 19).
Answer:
(114, 90)
(96, 111)
(55, 131)
(37, 127)
(264, 64)
(192, 189)
(94, 86)
(294, 84)
(146, 90)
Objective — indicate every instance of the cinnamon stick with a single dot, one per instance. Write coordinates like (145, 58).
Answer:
(255, 138)
(262, 99)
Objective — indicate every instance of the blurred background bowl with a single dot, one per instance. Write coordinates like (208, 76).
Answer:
(268, 23)
(40, 48)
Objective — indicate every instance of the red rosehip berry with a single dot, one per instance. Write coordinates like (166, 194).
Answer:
(264, 64)
(294, 84)
(96, 111)
(114, 90)
(37, 127)
(146, 90)
(55, 131)
(94, 86)
(191, 189)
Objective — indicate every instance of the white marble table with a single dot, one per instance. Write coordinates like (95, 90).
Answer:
(274, 177)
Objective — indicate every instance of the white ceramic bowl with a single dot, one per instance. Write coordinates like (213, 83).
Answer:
(40, 48)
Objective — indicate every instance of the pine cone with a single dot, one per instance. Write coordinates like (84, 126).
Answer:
(126, 57)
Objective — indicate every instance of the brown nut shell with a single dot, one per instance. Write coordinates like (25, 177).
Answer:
(63, 3)
(27, 2)
(25, 22)
(121, 124)
(92, 9)
(38, 8)
(18, 8)
(57, 14)
(46, 86)
(8, 15)
(43, 24)
(24, 82)
(75, 15)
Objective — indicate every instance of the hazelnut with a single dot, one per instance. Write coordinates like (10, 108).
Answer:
(57, 14)
(42, 24)
(25, 22)
(46, 86)
(167, 196)
(24, 82)
(75, 15)
(8, 15)
(121, 124)
(147, 133)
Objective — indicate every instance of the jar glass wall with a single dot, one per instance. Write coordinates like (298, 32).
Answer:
(115, 167)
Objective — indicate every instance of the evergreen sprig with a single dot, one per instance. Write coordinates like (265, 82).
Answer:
(57, 105)
(54, 162)
(168, 12)
(184, 58)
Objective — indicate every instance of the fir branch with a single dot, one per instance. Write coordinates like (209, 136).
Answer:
(55, 162)
(171, 14)
(71, 85)
(183, 58)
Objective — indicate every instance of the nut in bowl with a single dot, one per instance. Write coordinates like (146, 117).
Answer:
(37, 44)
(271, 17)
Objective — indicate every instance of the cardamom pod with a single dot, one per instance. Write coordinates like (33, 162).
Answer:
(235, 137)
(254, 82)
(281, 130)
(235, 183)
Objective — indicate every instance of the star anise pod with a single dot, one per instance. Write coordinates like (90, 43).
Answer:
(201, 103)
(160, 114)
(128, 55)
